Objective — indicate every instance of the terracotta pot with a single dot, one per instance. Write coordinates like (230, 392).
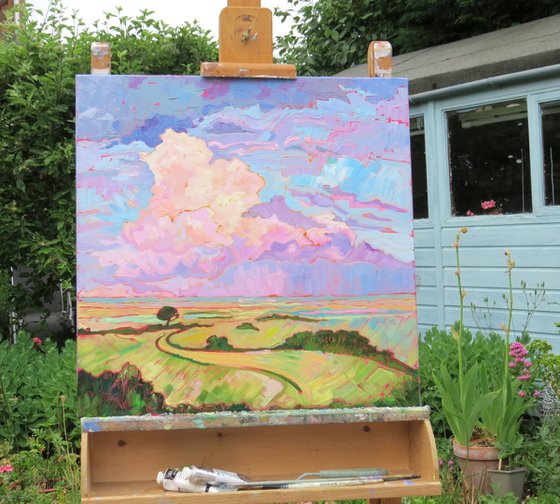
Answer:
(475, 461)
(504, 482)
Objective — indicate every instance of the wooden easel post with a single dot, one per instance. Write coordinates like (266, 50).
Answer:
(380, 59)
(101, 58)
(246, 44)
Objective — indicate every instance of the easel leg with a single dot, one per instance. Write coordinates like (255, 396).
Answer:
(391, 500)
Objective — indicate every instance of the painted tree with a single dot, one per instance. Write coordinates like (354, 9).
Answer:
(167, 313)
(328, 36)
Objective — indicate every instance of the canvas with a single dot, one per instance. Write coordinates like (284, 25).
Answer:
(243, 244)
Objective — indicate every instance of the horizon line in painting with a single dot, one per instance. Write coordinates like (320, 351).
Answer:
(243, 244)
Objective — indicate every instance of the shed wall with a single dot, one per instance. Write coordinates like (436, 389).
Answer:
(533, 238)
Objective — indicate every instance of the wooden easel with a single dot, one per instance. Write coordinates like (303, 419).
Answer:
(122, 455)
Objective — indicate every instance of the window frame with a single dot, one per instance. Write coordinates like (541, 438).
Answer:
(534, 103)
(427, 111)
(437, 150)
(422, 219)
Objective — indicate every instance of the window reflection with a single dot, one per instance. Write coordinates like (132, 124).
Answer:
(550, 114)
(489, 159)
(418, 162)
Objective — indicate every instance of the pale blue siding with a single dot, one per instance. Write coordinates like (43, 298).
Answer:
(533, 239)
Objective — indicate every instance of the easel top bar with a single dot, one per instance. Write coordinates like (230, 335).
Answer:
(225, 420)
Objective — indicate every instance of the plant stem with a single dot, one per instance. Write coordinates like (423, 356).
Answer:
(510, 265)
(461, 310)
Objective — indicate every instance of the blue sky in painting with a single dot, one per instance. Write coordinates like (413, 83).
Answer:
(324, 163)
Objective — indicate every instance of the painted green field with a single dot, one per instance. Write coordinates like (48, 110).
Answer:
(231, 355)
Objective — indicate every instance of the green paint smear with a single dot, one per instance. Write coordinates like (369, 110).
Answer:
(247, 326)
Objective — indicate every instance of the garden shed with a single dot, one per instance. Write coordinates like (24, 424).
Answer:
(485, 141)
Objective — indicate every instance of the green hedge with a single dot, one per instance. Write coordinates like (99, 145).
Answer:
(38, 64)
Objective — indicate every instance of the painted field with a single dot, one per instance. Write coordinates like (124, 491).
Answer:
(258, 353)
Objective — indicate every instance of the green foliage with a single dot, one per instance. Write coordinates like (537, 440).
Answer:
(37, 390)
(46, 472)
(328, 36)
(436, 347)
(247, 326)
(462, 407)
(167, 313)
(5, 302)
(326, 340)
(38, 63)
(117, 393)
(541, 457)
(219, 343)
(502, 418)
(546, 369)
(481, 499)
(540, 449)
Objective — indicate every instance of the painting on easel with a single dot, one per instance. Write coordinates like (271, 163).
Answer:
(243, 244)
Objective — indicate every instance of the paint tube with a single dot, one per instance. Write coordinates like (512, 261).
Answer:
(176, 480)
(202, 475)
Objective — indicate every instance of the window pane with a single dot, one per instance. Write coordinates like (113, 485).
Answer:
(551, 152)
(489, 159)
(418, 162)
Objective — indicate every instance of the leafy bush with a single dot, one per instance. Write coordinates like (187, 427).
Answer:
(38, 63)
(37, 390)
(436, 348)
(328, 36)
(46, 472)
(541, 456)
(546, 366)
(540, 451)
(117, 393)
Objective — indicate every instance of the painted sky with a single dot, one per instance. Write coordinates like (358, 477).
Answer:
(219, 187)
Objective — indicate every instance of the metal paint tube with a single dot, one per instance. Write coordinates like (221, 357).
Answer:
(174, 480)
(203, 475)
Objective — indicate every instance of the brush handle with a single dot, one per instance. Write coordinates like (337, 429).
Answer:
(352, 473)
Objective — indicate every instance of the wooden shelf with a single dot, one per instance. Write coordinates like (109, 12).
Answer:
(122, 456)
(148, 492)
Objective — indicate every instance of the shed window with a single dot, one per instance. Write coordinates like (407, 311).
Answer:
(418, 162)
(489, 159)
(550, 113)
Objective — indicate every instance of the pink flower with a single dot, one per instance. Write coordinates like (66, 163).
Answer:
(521, 393)
(524, 377)
(37, 341)
(450, 463)
(440, 463)
(519, 349)
(528, 364)
(6, 468)
(512, 364)
(537, 393)
(487, 205)
(469, 213)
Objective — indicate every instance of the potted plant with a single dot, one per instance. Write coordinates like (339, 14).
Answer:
(504, 419)
(484, 415)
(463, 402)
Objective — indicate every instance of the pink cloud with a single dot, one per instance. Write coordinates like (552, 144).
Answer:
(199, 222)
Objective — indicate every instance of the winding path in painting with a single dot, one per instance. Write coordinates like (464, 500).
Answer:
(250, 361)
